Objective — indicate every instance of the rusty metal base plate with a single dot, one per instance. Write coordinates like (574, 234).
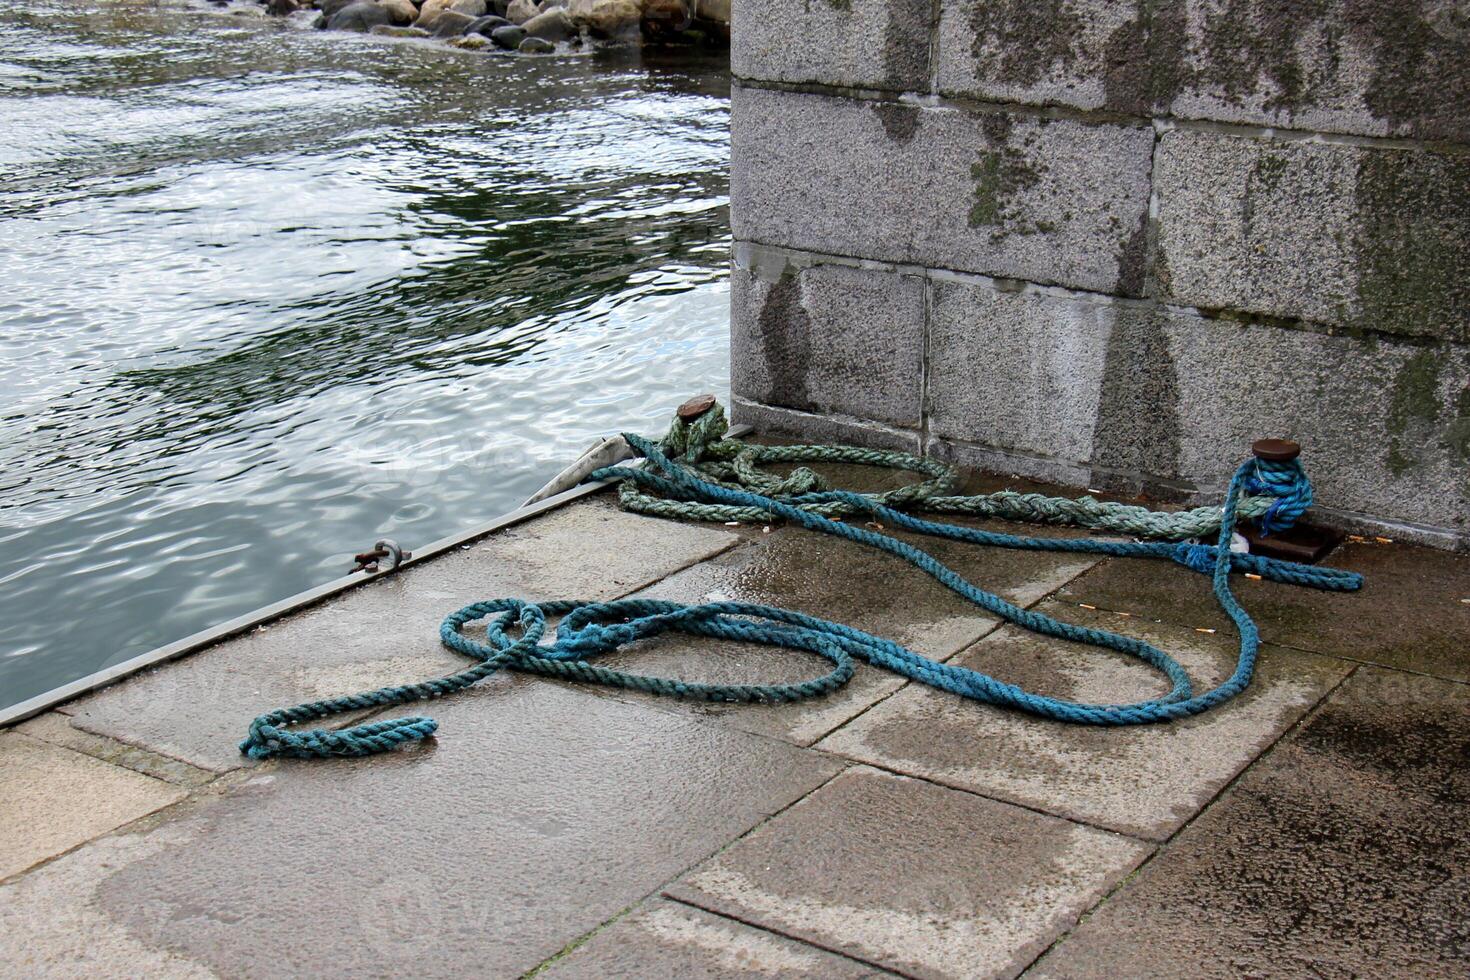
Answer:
(1305, 543)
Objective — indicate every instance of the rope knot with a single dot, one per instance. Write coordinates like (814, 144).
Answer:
(687, 441)
(1200, 557)
(1288, 483)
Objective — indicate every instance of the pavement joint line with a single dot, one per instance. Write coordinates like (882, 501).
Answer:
(1360, 662)
(658, 890)
(985, 634)
(882, 767)
(581, 940)
(1163, 847)
(811, 944)
(95, 751)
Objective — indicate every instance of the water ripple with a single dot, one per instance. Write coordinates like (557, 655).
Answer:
(271, 293)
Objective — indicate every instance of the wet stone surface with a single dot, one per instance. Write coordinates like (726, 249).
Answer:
(847, 583)
(539, 814)
(1410, 612)
(667, 940)
(198, 709)
(928, 881)
(1144, 780)
(1341, 854)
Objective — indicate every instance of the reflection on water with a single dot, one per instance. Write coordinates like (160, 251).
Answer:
(270, 293)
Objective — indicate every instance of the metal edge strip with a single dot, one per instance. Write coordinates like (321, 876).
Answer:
(195, 642)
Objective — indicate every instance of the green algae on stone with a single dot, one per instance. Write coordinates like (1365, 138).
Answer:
(1413, 408)
(999, 175)
(1025, 40)
(1413, 247)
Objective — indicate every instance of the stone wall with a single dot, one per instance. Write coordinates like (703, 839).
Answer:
(1110, 243)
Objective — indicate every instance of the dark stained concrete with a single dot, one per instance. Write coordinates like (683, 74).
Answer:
(1342, 854)
(197, 709)
(1145, 781)
(928, 881)
(669, 941)
(1411, 612)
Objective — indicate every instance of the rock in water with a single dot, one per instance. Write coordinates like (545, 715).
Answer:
(486, 25)
(447, 23)
(536, 45)
(509, 37)
(330, 7)
(282, 8)
(400, 11)
(470, 42)
(433, 10)
(552, 25)
(359, 17)
(606, 18)
(521, 11)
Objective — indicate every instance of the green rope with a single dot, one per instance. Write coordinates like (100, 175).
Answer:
(701, 446)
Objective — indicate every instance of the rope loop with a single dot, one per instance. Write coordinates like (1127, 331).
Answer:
(693, 474)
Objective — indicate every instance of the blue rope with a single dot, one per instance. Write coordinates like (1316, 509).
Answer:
(589, 630)
(1287, 483)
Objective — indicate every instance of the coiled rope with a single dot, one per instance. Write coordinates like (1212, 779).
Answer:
(679, 476)
(701, 447)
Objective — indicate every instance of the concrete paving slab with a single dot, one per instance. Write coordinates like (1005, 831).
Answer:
(1146, 781)
(845, 582)
(669, 941)
(537, 815)
(55, 799)
(928, 881)
(1341, 854)
(1411, 612)
(198, 708)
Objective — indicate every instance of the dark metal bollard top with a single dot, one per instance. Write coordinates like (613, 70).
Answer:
(1276, 450)
(696, 406)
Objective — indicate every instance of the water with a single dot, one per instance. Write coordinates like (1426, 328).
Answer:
(271, 293)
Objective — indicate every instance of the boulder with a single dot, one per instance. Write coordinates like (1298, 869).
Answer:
(508, 37)
(432, 10)
(447, 23)
(359, 17)
(400, 11)
(551, 25)
(521, 11)
(499, 7)
(282, 8)
(536, 45)
(486, 25)
(469, 42)
(330, 7)
(606, 18)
